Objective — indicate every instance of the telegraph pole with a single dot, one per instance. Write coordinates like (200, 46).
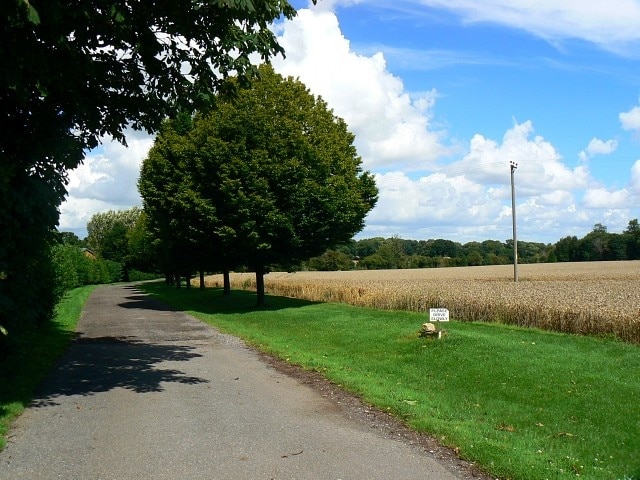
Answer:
(514, 165)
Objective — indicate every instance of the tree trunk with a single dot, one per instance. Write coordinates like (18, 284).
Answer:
(227, 282)
(178, 280)
(260, 285)
(201, 278)
(188, 280)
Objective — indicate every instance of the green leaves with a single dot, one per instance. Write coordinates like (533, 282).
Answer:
(77, 72)
(117, 14)
(276, 169)
(32, 13)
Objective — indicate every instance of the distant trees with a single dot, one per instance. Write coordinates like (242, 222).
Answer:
(567, 249)
(331, 260)
(379, 253)
(600, 245)
(597, 245)
(269, 176)
(107, 232)
(123, 238)
(632, 240)
(389, 255)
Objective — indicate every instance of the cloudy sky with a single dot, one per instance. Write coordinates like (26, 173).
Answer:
(442, 95)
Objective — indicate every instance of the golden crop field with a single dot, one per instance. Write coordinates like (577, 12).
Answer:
(582, 298)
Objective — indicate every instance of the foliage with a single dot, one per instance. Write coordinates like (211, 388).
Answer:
(69, 265)
(75, 72)
(74, 268)
(141, 247)
(632, 239)
(331, 260)
(107, 232)
(379, 253)
(177, 219)
(123, 238)
(70, 238)
(598, 245)
(138, 276)
(26, 293)
(4, 343)
(567, 248)
(269, 176)
(520, 403)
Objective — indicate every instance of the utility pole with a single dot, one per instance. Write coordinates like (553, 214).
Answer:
(514, 165)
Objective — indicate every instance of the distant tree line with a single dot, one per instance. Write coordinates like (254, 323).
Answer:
(117, 248)
(121, 246)
(600, 245)
(391, 253)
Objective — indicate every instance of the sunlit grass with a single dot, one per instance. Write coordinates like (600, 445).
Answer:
(522, 403)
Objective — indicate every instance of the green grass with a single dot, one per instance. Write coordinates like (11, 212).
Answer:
(33, 352)
(521, 403)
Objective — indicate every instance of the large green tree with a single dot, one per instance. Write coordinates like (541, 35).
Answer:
(179, 219)
(280, 171)
(74, 71)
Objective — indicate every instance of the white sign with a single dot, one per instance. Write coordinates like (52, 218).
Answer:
(439, 314)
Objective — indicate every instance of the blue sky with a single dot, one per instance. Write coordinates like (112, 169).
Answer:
(442, 95)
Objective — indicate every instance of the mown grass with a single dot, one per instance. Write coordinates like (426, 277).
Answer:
(521, 403)
(32, 353)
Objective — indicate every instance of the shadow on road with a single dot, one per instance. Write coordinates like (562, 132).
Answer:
(101, 364)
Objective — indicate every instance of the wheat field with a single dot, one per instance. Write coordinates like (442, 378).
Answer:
(601, 298)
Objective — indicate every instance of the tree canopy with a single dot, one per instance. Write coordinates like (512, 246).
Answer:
(271, 172)
(76, 71)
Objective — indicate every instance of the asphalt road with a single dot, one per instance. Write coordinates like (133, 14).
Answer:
(150, 393)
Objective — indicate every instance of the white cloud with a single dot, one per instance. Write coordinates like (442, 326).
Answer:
(433, 199)
(630, 120)
(603, 198)
(612, 25)
(635, 177)
(106, 180)
(466, 200)
(393, 130)
(75, 213)
(598, 147)
(558, 199)
(109, 172)
(471, 199)
(539, 165)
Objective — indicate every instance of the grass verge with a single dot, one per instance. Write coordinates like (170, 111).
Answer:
(520, 403)
(33, 352)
